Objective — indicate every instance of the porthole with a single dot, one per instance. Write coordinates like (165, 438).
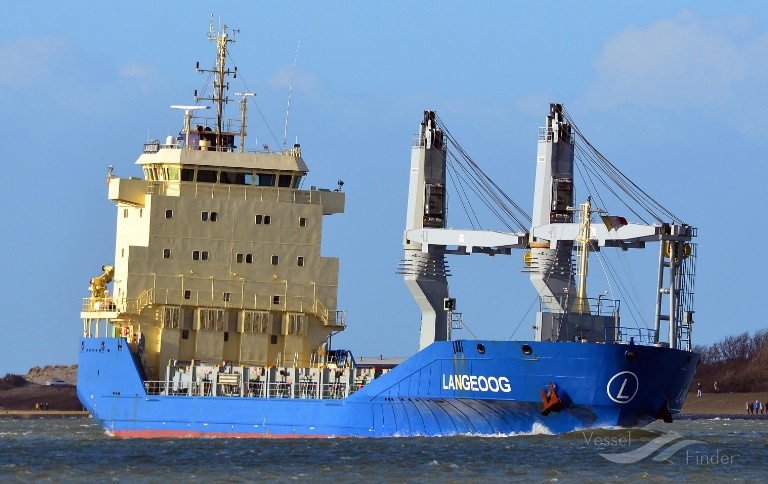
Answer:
(630, 355)
(481, 348)
(527, 349)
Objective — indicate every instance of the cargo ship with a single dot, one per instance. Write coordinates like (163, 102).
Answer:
(217, 316)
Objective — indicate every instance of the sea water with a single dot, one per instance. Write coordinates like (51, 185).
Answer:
(66, 450)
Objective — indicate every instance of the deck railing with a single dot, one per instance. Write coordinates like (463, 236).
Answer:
(625, 334)
(238, 192)
(260, 389)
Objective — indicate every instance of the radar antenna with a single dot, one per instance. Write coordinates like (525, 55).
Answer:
(188, 111)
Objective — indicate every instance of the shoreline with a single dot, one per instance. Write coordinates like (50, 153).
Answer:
(730, 405)
(29, 414)
(715, 416)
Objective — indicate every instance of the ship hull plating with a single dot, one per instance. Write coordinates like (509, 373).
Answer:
(449, 388)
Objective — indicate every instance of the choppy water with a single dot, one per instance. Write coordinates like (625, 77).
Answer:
(68, 450)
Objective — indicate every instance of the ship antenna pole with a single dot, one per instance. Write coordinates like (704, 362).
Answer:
(220, 72)
(222, 48)
(243, 108)
(290, 89)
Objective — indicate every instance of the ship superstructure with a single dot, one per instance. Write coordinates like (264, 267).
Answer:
(222, 308)
(218, 250)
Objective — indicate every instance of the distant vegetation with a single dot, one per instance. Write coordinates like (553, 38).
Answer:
(12, 381)
(737, 364)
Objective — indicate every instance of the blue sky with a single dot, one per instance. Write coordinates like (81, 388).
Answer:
(674, 93)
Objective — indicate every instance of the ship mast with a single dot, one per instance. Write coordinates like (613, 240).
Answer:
(243, 109)
(219, 71)
(581, 304)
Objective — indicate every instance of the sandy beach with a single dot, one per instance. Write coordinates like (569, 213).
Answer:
(721, 403)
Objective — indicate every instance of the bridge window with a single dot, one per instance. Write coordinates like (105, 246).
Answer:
(284, 181)
(233, 178)
(172, 173)
(187, 174)
(207, 176)
(265, 180)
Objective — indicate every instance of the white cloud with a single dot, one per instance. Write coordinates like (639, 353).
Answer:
(303, 80)
(32, 61)
(686, 62)
(146, 75)
(59, 72)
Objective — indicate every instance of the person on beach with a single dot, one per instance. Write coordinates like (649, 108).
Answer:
(717, 388)
(698, 392)
(749, 408)
(757, 406)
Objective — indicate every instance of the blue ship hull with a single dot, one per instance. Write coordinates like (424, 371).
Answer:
(458, 387)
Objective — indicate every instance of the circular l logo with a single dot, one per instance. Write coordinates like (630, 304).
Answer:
(622, 388)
